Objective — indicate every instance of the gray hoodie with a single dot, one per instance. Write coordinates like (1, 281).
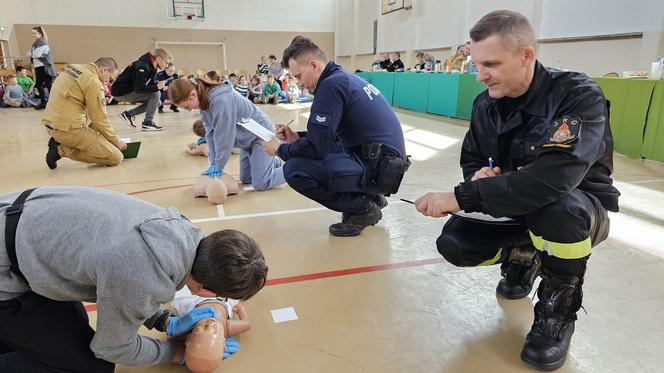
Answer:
(227, 107)
(87, 244)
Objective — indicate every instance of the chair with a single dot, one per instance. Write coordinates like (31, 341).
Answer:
(200, 73)
(183, 73)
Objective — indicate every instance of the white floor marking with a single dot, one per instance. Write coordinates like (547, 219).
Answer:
(220, 211)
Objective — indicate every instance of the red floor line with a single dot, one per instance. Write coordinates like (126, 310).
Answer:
(143, 181)
(156, 189)
(337, 273)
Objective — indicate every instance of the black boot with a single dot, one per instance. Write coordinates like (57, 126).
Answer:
(174, 108)
(353, 223)
(52, 156)
(519, 271)
(555, 312)
(380, 201)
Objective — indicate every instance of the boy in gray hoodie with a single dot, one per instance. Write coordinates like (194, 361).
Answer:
(76, 244)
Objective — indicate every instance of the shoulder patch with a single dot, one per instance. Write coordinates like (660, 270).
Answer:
(321, 118)
(563, 132)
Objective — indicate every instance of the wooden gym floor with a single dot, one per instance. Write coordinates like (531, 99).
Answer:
(384, 301)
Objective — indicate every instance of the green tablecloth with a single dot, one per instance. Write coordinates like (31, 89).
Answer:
(411, 91)
(630, 100)
(385, 84)
(469, 88)
(443, 94)
(653, 141)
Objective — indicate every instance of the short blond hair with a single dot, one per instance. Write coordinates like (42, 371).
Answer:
(164, 54)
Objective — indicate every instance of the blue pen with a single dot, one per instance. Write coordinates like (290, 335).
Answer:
(491, 163)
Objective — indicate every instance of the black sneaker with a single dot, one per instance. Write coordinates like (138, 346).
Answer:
(150, 126)
(160, 110)
(52, 156)
(174, 109)
(128, 118)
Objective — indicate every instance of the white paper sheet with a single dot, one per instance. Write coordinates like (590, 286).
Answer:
(255, 128)
(283, 315)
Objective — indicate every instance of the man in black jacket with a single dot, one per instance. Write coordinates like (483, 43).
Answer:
(539, 150)
(396, 63)
(138, 83)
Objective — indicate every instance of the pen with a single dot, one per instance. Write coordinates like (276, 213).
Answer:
(405, 200)
(491, 163)
(292, 120)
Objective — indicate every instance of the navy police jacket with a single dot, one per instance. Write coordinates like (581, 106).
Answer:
(346, 112)
(556, 139)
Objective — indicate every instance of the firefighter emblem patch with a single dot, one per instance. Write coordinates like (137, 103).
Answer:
(564, 131)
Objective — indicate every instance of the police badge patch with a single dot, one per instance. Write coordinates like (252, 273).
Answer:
(563, 132)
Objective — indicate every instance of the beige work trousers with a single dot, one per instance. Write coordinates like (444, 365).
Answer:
(86, 145)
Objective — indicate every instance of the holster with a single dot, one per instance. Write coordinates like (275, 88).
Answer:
(388, 168)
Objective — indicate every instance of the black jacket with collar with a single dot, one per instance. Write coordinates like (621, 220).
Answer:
(138, 77)
(539, 166)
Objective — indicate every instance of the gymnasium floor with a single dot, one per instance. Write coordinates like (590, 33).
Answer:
(385, 301)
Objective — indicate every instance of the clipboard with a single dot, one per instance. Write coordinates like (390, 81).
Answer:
(132, 148)
(256, 128)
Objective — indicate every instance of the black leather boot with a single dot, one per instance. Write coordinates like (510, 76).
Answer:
(555, 312)
(380, 200)
(354, 222)
(519, 271)
(52, 156)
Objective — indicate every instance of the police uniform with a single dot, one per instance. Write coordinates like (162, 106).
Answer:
(554, 147)
(327, 163)
(76, 97)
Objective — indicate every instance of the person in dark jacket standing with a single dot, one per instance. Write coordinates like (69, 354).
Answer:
(42, 60)
(353, 151)
(539, 150)
(138, 83)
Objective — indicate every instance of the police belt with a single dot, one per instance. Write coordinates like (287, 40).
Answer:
(13, 214)
(386, 165)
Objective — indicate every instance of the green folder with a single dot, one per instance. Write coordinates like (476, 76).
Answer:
(132, 150)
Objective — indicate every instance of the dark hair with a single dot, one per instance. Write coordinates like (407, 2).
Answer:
(107, 62)
(41, 32)
(513, 29)
(231, 264)
(299, 46)
(419, 54)
(212, 75)
(19, 69)
(272, 56)
(231, 75)
(199, 128)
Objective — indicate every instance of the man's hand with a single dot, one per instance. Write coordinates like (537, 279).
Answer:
(286, 134)
(271, 146)
(437, 205)
(161, 84)
(486, 172)
(121, 145)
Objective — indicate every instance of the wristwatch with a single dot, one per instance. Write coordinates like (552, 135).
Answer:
(158, 320)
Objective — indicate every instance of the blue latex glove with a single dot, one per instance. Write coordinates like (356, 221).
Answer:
(232, 346)
(212, 171)
(180, 325)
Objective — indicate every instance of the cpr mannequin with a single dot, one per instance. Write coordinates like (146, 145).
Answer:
(205, 344)
(215, 189)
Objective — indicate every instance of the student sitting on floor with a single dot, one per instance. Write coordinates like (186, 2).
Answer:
(167, 75)
(200, 147)
(271, 91)
(26, 82)
(242, 87)
(255, 90)
(292, 89)
(14, 95)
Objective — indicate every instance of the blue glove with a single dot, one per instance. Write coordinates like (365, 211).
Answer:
(232, 346)
(180, 325)
(212, 171)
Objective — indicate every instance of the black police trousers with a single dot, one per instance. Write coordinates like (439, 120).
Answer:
(337, 182)
(565, 229)
(38, 334)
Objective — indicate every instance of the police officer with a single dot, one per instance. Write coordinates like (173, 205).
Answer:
(539, 150)
(329, 163)
(77, 96)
